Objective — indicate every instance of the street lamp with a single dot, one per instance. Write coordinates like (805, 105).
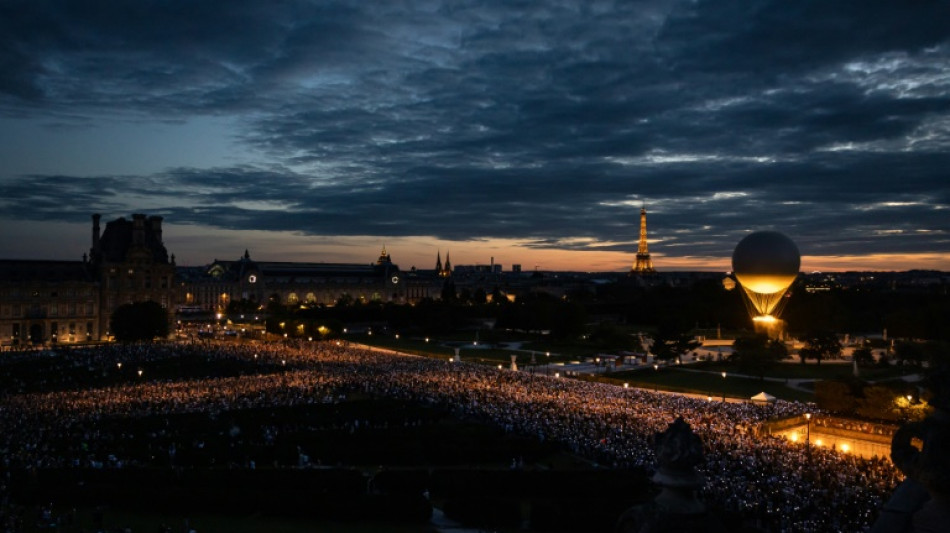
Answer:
(724, 387)
(656, 382)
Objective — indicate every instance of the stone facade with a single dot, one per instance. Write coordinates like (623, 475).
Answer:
(62, 302)
(214, 287)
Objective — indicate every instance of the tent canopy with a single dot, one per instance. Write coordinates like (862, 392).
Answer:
(763, 397)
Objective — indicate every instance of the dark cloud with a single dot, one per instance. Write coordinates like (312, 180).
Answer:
(539, 121)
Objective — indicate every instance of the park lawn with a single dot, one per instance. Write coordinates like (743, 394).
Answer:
(672, 379)
(809, 371)
(482, 354)
(409, 345)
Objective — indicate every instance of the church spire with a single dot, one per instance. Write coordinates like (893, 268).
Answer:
(446, 271)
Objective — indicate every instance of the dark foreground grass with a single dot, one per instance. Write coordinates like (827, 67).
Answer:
(117, 519)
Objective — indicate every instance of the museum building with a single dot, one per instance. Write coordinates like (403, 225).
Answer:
(214, 287)
(49, 302)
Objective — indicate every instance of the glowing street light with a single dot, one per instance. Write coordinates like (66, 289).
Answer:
(724, 388)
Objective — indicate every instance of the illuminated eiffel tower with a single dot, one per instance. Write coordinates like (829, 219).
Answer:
(644, 264)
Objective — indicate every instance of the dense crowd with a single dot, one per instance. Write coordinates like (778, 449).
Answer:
(780, 485)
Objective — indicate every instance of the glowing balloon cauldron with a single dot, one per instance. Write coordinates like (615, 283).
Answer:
(765, 264)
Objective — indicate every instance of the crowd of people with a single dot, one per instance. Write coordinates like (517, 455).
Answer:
(779, 485)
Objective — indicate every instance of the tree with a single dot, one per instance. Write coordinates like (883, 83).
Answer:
(835, 396)
(139, 321)
(479, 297)
(671, 341)
(448, 291)
(863, 356)
(243, 305)
(909, 353)
(822, 344)
(608, 336)
(937, 354)
(879, 402)
(498, 297)
(757, 354)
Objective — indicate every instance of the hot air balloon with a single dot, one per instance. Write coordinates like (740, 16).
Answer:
(765, 264)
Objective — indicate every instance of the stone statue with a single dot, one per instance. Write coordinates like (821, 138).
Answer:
(921, 450)
(676, 509)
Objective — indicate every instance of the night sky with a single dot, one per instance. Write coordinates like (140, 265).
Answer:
(528, 131)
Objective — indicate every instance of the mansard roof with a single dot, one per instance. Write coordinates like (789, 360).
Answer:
(237, 270)
(118, 238)
(21, 271)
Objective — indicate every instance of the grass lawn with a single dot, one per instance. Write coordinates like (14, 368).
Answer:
(714, 385)
(668, 379)
(809, 371)
(434, 348)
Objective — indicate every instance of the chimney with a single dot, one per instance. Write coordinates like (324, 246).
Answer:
(95, 235)
(156, 223)
(138, 230)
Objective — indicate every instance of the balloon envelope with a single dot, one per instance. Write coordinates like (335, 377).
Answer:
(765, 264)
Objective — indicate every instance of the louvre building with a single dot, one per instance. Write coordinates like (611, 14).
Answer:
(58, 302)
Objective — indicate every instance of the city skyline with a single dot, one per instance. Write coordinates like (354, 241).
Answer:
(533, 134)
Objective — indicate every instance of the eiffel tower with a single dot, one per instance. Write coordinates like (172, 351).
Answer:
(644, 264)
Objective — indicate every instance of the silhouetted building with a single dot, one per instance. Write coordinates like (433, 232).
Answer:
(215, 286)
(72, 301)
